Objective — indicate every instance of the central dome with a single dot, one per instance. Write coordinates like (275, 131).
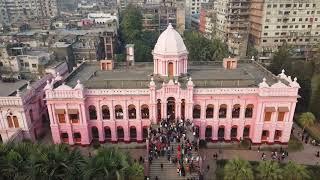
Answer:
(170, 43)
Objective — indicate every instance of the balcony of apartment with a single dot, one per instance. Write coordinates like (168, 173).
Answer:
(237, 13)
(235, 1)
(238, 6)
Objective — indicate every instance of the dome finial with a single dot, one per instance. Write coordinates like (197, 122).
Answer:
(170, 26)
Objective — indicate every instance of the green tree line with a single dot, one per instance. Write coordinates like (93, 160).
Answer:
(26, 161)
(307, 73)
(132, 32)
(239, 169)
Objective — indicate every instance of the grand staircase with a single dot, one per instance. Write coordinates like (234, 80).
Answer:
(169, 170)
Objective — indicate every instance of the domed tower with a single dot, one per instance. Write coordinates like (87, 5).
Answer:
(170, 54)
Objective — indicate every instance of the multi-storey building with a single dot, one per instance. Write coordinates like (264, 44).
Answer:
(23, 113)
(229, 100)
(207, 20)
(16, 11)
(158, 16)
(192, 7)
(295, 22)
(232, 24)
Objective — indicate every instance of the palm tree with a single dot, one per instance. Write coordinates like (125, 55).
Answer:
(238, 169)
(294, 171)
(135, 171)
(108, 163)
(306, 119)
(56, 162)
(268, 170)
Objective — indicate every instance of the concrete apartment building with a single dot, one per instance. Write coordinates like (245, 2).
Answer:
(15, 11)
(274, 22)
(158, 16)
(231, 24)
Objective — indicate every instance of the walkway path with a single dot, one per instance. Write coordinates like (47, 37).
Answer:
(169, 170)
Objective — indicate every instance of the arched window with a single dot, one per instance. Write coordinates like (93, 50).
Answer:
(31, 115)
(118, 112)
(249, 111)
(196, 111)
(132, 111)
(105, 112)
(92, 112)
(12, 121)
(209, 111)
(223, 111)
(236, 111)
(145, 111)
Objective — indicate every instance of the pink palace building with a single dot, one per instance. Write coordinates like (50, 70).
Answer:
(226, 101)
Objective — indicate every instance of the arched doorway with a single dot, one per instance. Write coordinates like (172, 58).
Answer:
(221, 133)
(133, 133)
(145, 133)
(234, 133)
(208, 133)
(107, 134)
(1, 141)
(183, 107)
(77, 137)
(170, 69)
(120, 133)
(171, 108)
(246, 132)
(158, 110)
(197, 131)
(94, 132)
(65, 138)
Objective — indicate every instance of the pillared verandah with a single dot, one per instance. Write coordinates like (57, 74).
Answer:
(229, 100)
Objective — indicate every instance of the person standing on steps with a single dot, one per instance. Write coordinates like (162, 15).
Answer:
(161, 165)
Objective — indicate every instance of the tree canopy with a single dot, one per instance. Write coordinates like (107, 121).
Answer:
(132, 32)
(59, 162)
(238, 169)
(306, 119)
(203, 49)
(303, 70)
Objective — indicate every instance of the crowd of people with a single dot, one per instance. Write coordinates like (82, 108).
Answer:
(171, 140)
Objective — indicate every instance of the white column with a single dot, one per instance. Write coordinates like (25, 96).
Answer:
(111, 110)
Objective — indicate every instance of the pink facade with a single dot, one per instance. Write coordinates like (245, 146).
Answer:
(23, 114)
(262, 113)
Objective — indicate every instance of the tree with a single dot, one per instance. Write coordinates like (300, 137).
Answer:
(238, 169)
(108, 163)
(306, 119)
(203, 49)
(294, 171)
(268, 170)
(315, 100)
(281, 59)
(131, 24)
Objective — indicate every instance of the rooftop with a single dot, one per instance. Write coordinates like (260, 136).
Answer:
(204, 75)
